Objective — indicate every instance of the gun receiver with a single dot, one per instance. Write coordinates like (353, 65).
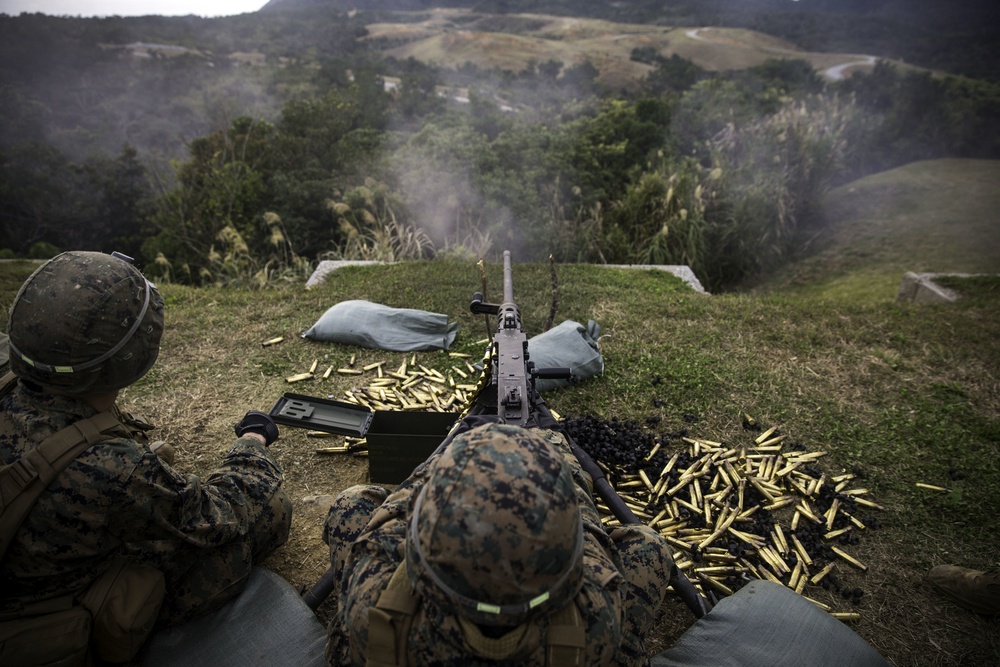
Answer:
(513, 373)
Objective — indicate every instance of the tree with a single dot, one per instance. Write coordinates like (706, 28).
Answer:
(607, 146)
(222, 187)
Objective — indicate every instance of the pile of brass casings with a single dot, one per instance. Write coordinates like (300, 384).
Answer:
(702, 509)
(410, 387)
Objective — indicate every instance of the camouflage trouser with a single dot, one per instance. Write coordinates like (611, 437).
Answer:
(200, 580)
(647, 562)
(350, 513)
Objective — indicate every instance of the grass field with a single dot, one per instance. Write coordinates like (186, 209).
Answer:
(449, 38)
(938, 216)
(893, 393)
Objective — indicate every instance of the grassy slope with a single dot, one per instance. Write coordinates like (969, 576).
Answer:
(901, 394)
(606, 45)
(934, 216)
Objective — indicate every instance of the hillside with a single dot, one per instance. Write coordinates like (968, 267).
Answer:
(955, 36)
(453, 37)
(931, 216)
(89, 85)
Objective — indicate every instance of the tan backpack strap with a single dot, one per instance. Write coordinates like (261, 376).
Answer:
(389, 621)
(22, 481)
(7, 382)
(567, 638)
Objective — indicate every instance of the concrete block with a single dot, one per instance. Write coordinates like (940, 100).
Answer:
(922, 288)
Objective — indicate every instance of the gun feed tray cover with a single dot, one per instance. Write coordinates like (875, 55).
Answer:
(321, 414)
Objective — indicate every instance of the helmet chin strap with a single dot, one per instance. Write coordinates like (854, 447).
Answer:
(101, 402)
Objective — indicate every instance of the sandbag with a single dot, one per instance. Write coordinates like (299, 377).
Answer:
(569, 345)
(374, 325)
(56, 639)
(267, 624)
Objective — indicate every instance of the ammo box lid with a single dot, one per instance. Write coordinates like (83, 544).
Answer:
(322, 414)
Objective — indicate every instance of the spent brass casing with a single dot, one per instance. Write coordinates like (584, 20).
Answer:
(834, 534)
(801, 550)
(807, 512)
(772, 442)
(778, 503)
(831, 514)
(778, 533)
(801, 584)
(808, 456)
(645, 480)
(714, 583)
(763, 491)
(774, 560)
(765, 435)
(868, 503)
(846, 615)
(670, 464)
(653, 451)
(824, 607)
(796, 575)
(931, 487)
(332, 450)
(849, 558)
(818, 577)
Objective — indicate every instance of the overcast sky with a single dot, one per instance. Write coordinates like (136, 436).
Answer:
(131, 7)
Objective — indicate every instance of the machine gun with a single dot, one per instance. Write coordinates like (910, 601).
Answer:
(508, 391)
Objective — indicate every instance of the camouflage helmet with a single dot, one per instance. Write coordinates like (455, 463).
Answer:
(495, 533)
(85, 322)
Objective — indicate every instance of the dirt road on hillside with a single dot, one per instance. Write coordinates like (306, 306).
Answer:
(834, 73)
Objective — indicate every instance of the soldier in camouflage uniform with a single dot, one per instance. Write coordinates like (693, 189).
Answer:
(498, 536)
(82, 327)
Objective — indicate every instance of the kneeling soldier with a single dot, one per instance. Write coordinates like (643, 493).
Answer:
(100, 535)
(492, 552)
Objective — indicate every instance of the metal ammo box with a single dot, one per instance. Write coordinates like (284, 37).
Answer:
(397, 441)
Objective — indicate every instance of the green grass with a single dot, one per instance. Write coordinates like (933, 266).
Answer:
(936, 216)
(897, 393)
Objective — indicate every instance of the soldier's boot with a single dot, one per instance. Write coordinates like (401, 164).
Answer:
(163, 450)
(976, 590)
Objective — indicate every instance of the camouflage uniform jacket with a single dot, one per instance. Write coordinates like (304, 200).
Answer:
(114, 494)
(436, 637)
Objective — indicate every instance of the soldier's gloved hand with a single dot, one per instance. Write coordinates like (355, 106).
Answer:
(260, 423)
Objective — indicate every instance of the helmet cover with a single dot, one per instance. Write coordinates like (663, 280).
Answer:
(495, 533)
(85, 322)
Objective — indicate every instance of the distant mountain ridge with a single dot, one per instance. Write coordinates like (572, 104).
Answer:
(71, 82)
